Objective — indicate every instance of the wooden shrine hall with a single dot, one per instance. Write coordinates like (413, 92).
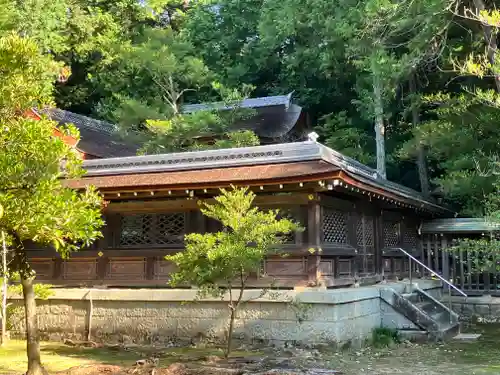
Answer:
(355, 221)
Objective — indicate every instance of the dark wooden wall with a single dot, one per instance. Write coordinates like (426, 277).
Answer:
(344, 241)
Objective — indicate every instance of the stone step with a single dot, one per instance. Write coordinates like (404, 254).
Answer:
(414, 335)
(412, 297)
(449, 331)
(442, 318)
(467, 337)
(429, 307)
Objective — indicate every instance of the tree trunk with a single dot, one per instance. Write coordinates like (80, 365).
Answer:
(490, 37)
(4, 290)
(421, 157)
(230, 332)
(33, 345)
(379, 124)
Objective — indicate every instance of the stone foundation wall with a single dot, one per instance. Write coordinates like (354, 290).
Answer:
(484, 309)
(305, 316)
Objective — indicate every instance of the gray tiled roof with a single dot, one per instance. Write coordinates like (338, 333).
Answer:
(97, 138)
(267, 101)
(101, 139)
(247, 156)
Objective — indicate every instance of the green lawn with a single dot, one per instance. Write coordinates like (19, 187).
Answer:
(57, 357)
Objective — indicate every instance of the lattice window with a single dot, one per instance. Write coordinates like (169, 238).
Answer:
(289, 214)
(410, 238)
(171, 228)
(152, 229)
(334, 226)
(364, 231)
(391, 234)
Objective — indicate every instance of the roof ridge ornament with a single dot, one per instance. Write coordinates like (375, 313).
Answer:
(313, 137)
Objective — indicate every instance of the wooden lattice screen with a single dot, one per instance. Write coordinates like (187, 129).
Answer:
(334, 226)
(365, 235)
(152, 229)
(392, 231)
(365, 240)
(410, 238)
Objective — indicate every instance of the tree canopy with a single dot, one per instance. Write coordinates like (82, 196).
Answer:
(35, 204)
(403, 77)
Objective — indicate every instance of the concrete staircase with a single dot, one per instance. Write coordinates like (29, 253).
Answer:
(431, 319)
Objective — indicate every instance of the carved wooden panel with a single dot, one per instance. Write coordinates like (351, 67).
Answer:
(126, 269)
(326, 267)
(289, 267)
(334, 226)
(44, 268)
(79, 269)
(345, 267)
(163, 269)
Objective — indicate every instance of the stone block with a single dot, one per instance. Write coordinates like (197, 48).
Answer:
(457, 307)
(482, 310)
(193, 327)
(495, 311)
(273, 330)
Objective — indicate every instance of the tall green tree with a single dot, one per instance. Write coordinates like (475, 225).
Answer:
(36, 205)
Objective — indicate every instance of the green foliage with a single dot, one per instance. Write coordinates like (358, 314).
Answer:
(214, 262)
(136, 63)
(461, 140)
(339, 133)
(384, 337)
(36, 205)
(190, 131)
(217, 263)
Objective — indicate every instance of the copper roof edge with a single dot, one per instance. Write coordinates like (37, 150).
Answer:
(209, 159)
(252, 156)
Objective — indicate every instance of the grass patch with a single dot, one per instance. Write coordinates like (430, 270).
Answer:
(383, 337)
(58, 357)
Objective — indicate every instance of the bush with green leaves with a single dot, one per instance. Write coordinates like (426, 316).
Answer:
(218, 263)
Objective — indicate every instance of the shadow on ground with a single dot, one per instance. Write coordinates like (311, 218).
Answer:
(453, 358)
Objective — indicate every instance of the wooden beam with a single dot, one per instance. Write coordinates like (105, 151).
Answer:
(178, 205)
(314, 240)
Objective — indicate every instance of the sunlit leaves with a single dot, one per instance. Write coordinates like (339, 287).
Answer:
(33, 162)
(216, 261)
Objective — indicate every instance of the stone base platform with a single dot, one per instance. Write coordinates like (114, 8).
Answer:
(309, 316)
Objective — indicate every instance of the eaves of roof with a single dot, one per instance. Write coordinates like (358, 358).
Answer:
(283, 162)
(459, 225)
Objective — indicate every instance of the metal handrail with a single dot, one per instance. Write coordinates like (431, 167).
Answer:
(430, 270)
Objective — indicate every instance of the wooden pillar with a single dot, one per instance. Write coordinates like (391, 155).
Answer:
(58, 264)
(150, 268)
(445, 256)
(379, 245)
(353, 241)
(314, 240)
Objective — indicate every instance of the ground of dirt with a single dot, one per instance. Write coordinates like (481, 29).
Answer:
(451, 358)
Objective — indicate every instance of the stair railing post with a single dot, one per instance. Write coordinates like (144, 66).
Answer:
(411, 275)
(449, 303)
